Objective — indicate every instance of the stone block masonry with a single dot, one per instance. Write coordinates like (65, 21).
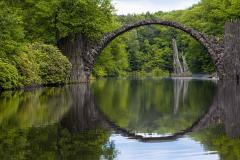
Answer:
(231, 58)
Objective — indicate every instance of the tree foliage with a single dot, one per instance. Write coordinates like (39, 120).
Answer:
(8, 75)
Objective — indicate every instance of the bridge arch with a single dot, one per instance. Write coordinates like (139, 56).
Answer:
(214, 47)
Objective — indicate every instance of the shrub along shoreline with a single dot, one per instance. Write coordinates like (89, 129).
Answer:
(33, 65)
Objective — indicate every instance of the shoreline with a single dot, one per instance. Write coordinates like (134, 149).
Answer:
(32, 87)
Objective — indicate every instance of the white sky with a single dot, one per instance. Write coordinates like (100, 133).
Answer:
(142, 6)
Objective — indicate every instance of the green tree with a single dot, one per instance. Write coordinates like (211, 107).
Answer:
(11, 30)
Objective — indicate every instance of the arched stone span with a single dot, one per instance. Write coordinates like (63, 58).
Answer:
(214, 47)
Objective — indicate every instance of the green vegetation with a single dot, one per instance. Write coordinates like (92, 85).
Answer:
(29, 33)
(30, 27)
(8, 75)
(31, 127)
(53, 142)
(53, 65)
(33, 108)
(214, 138)
(34, 64)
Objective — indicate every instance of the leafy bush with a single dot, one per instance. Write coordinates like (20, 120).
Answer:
(54, 68)
(8, 75)
(157, 72)
(33, 64)
(27, 67)
(99, 72)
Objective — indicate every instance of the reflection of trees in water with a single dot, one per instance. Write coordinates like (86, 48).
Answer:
(223, 129)
(147, 105)
(77, 136)
(80, 133)
(229, 103)
(83, 134)
(225, 108)
(82, 115)
(221, 118)
(38, 107)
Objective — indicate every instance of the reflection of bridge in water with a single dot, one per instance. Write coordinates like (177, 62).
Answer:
(84, 114)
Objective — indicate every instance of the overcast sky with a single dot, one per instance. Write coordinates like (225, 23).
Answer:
(142, 6)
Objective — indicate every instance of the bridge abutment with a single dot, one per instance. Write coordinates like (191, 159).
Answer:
(231, 58)
(75, 48)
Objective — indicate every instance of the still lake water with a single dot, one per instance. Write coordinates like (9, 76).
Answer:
(123, 119)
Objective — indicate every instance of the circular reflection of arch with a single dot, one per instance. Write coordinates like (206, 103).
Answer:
(224, 110)
(212, 115)
(214, 47)
(85, 114)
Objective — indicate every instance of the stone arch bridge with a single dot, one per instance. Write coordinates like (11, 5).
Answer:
(83, 55)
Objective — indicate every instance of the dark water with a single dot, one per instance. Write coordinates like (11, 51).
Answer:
(124, 119)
